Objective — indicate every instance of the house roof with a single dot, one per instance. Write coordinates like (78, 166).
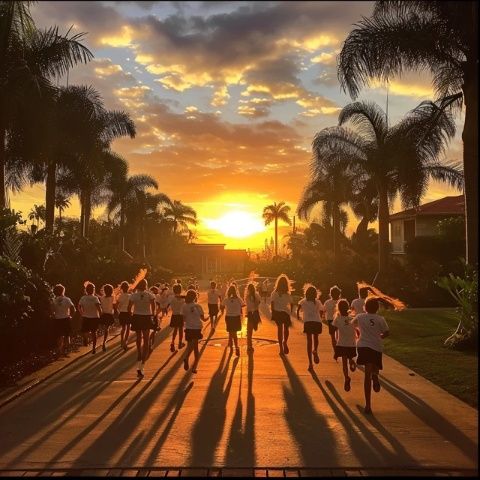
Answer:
(443, 206)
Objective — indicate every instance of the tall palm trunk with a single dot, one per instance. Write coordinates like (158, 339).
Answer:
(470, 146)
(276, 236)
(50, 196)
(383, 241)
(122, 225)
(3, 161)
(82, 212)
(88, 213)
(362, 228)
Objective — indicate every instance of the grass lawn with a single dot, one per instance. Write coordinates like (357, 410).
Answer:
(416, 340)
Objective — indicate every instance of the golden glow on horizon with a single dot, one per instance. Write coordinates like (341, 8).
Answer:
(236, 224)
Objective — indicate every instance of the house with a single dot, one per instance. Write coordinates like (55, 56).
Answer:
(210, 258)
(422, 221)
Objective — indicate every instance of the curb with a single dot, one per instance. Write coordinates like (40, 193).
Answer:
(27, 388)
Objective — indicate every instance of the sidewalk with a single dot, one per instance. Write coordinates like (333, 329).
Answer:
(253, 411)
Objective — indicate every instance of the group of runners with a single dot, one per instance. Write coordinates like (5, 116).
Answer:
(356, 330)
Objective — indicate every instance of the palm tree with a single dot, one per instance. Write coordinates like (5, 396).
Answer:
(37, 213)
(89, 163)
(331, 186)
(62, 202)
(123, 192)
(29, 60)
(273, 213)
(435, 35)
(180, 216)
(365, 206)
(400, 159)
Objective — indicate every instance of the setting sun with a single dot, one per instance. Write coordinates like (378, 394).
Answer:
(236, 224)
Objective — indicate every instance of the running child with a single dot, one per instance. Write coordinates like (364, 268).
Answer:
(345, 340)
(142, 304)
(193, 316)
(233, 316)
(282, 307)
(90, 310)
(312, 309)
(358, 303)
(252, 301)
(330, 309)
(121, 304)
(372, 330)
(214, 297)
(176, 321)
(63, 309)
(106, 319)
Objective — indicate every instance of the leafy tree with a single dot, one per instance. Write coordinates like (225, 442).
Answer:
(273, 213)
(180, 216)
(439, 36)
(398, 159)
(29, 60)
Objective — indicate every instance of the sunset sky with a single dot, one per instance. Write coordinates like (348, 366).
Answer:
(226, 97)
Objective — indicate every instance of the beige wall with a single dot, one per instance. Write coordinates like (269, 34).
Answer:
(396, 235)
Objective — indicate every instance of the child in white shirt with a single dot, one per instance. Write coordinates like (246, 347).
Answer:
(282, 306)
(107, 304)
(176, 321)
(330, 308)
(193, 316)
(233, 316)
(121, 304)
(357, 305)
(345, 340)
(63, 309)
(312, 309)
(90, 310)
(372, 330)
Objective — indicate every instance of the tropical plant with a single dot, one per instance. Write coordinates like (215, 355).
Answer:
(90, 164)
(29, 60)
(465, 292)
(331, 186)
(62, 202)
(398, 159)
(440, 36)
(180, 216)
(273, 213)
(37, 214)
(123, 191)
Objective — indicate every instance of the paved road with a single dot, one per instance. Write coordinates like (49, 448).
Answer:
(261, 410)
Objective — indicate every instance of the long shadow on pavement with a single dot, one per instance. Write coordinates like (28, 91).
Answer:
(399, 457)
(432, 418)
(113, 438)
(208, 428)
(240, 450)
(317, 444)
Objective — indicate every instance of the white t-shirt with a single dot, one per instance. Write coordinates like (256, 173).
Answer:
(107, 304)
(311, 310)
(329, 307)
(357, 306)
(252, 304)
(371, 326)
(162, 299)
(122, 301)
(213, 296)
(233, 306)
(141, 302)
(281, 303)
(61, 307)
(176, 304)
(89, 306)
(192, 315)
(345, 333)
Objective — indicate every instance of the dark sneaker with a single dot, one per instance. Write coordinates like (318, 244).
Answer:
(185, 364)
(353, 366)
(346, 386)
(315, 357)
(285, 348)
(172, 347)
(237, 352)
(140, 374)
(310, 368)
(375, 383)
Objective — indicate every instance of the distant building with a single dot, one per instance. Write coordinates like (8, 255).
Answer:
(422, 221)
(210, 258)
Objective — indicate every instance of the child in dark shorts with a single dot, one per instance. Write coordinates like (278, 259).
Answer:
(63, 309)
(176, 321)
(345, 340)
(372, 329)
